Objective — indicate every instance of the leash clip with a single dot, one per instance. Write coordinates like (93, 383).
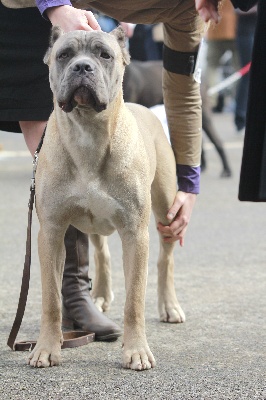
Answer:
(34, 169)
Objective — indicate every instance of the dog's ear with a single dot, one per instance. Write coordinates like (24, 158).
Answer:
(120, 36)
(56, 32)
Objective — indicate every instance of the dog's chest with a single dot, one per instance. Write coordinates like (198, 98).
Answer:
(96, 207)
(101, 201)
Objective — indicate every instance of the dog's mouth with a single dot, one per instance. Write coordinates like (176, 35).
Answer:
(82, 96)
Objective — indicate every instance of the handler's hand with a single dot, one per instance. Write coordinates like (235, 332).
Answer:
(71, 19)
(179, 214)
(208, 10)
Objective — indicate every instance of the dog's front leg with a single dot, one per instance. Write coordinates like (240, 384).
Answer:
(136, 352)
(47, 351)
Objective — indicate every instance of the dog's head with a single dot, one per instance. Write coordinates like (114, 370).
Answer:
(86, 68)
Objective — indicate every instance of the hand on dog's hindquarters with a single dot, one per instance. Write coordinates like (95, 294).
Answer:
(179, 215)
(70, 18)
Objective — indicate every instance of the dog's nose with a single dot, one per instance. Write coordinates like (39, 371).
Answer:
(82, 68)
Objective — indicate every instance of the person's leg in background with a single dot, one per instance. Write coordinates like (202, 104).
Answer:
(215, 50)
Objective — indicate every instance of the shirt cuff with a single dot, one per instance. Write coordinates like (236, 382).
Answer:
(44, 4)
(188, 178)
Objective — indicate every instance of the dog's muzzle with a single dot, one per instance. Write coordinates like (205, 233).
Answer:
(82, 68)
(83, 89)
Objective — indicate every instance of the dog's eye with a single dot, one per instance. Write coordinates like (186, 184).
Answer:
(105, 55)
(63, 56)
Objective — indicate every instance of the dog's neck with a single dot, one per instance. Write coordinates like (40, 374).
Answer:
(92, 133)
(106, 120)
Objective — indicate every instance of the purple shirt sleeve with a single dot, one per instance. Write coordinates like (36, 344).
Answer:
(188, 178)
(44, 4)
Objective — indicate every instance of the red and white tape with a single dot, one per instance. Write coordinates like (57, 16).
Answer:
(229, 81)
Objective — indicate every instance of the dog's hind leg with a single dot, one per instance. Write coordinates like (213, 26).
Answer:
(168, 305)
(163, 192)
(102, 286)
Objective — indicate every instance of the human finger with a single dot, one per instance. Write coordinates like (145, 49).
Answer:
(178, 237)
(209, 15)
(92, 21)
(178, 202)
(208, 10)
(174, 229)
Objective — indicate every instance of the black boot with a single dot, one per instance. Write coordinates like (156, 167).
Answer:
(79, 311)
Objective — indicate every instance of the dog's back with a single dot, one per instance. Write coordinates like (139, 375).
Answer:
(143, 83)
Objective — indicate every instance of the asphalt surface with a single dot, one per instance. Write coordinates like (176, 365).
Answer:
(218, 353)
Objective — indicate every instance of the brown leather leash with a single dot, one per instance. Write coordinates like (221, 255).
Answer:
(71, 338)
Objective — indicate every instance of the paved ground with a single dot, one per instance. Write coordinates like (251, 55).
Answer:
(219, 353)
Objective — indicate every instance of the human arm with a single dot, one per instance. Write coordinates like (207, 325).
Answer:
(188, 177)
(61, 13)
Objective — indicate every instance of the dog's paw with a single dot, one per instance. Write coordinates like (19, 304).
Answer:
(42, 356)
(172, 314)
(102, 303)
(99, 303)
(138, 359)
